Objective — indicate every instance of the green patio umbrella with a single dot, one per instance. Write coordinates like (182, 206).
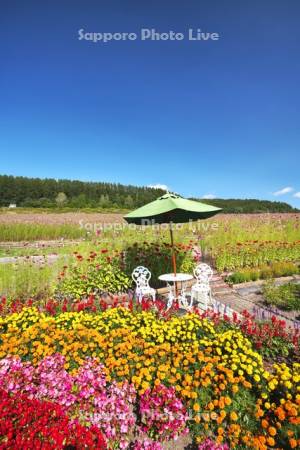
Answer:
(171, 208)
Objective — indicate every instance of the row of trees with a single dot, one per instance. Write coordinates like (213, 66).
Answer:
(49, 193)
(250, 206)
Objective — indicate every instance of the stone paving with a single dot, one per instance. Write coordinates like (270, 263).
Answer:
(245, 297)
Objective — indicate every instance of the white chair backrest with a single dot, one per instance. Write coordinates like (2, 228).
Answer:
(203, 273)
(141, 276)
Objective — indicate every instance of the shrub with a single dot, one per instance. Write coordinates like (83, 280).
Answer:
(95, 275)
(264, 272)
(286, 296)
(157, 258)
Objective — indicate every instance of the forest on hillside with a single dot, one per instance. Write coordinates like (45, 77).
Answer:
(51, 193)
(250, 206)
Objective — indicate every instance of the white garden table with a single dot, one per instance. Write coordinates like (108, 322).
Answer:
(171, 279)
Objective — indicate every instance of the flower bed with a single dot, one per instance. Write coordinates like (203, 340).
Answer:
(285, 297)
(130, 373)
(265, 272)
(254, 254)
(31, 424)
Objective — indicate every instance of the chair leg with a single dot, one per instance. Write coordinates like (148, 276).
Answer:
(210, 297)
(208, 300)
(192, 296)
(171, 299)
(154, 296)
(190, 306)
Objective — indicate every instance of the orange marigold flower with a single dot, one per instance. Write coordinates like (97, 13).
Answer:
(259, 413)
(272, 431)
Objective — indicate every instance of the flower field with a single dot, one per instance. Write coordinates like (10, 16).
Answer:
(135, 379)
(232, 243)
(79, 372)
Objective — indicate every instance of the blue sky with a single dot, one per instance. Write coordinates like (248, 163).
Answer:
(217, 118)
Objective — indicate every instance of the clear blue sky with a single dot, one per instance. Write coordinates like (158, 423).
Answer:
(218, 117)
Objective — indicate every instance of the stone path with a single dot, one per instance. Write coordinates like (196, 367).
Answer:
(240, 299)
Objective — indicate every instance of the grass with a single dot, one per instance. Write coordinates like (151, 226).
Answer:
(212, 235)
(16, 232)
(38, 251)
(286, 296)
(25, 280)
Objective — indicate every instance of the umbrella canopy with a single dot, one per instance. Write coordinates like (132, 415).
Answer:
(171, 208)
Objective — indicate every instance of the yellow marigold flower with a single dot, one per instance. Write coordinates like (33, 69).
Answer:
(228, 401)
(233, 416)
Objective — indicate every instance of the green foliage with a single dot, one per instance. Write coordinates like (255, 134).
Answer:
(61, 199)
(255, 254)
(249, 206)
(36, 192)
(264, 272)
(279, 348)
(35, 231)
(24, 280)
(286, 296)
(95, 275)
(158, 259)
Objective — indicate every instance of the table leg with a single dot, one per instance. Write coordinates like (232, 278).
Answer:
(170, 297)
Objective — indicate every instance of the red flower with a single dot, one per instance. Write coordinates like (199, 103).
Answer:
(29, 424)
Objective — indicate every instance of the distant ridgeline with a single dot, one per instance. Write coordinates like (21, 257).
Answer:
(249, 206)
(51, 193)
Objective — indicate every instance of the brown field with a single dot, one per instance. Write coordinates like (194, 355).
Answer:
(73, 218)
(70, 218)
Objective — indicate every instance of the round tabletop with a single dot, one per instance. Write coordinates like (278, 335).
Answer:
(171, 277)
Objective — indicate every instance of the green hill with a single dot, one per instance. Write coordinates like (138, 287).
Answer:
(50, 193)
(250, 206)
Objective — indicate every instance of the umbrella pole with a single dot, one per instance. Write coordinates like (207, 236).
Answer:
(173, 257)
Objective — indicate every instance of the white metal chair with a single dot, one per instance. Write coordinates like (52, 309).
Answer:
(141, 276)
(201, 291)
(183, 300)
